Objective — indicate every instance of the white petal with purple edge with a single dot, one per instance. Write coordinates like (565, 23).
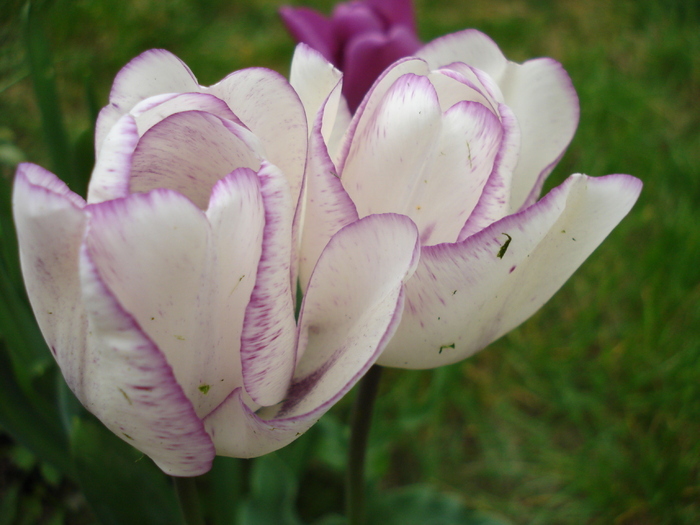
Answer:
(189, 152)
(544, 100)
(271, 109)
(346, 324)
(128, 384)
(328, 207)
(153, 72)
(388, 158)
(50, 226)
(154, 252)
(110, 176)
(448, 190)
(268, 342)
(464, 296)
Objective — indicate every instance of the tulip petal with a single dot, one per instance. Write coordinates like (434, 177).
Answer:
(153, 72)
(387, 161)
(469, 46)
(375, 96)
(494, 201)
(464, 296)
(368, 54)
(271, 109)
(189, 152)
(50, 226)
(268, 341)
(395, 12)
(328, 207)
(345, 324)
(110, 176)
(311, 28)
(544, 100)
(153, 110)
(162, 259)
(128, 384)
(469, 139)
(313, 78)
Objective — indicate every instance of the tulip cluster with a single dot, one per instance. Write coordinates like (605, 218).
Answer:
(408, 232)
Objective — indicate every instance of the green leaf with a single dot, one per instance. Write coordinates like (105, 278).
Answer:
(44, 79)
(273, 494)
(122, 486)
(424, 505)
(222, 489)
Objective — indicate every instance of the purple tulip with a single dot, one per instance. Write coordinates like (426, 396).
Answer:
(168, 297)
(361, 38)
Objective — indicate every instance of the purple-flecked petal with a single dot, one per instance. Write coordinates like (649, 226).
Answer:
(368, 54)
(110, 176)
(345, 324)
(453, 179)
(494, 201)
(268, 105)
(387, 160)
(189, 152)
(544, 100)
(311, 28)
(153, 72)
(129, 385)
(327, 209)
(365, 111)
(464, 296)
(269, 330)
(153, 110)
(50, 226)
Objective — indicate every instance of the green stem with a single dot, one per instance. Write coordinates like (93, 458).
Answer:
(360, 422)
(188, 497)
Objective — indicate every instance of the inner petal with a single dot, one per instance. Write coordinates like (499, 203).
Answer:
(387, 159)
(189, 152)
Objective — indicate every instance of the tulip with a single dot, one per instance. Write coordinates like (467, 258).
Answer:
(361, 38)
(168, 297)
(460, 140)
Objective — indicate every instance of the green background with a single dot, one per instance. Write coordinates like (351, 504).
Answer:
(589, 413)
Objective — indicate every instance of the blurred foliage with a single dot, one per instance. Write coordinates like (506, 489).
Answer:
(588, 413)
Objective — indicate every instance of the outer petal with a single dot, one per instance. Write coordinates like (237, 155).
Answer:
(161, 258)
(189, 152)
(328, 208)
(50, 225)
(151, 73)
(268, 341)
(128, 384)
(313, 78)
(466, 295)
(469, 46)
(269, 106)
(344, 324)
(544, 100)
